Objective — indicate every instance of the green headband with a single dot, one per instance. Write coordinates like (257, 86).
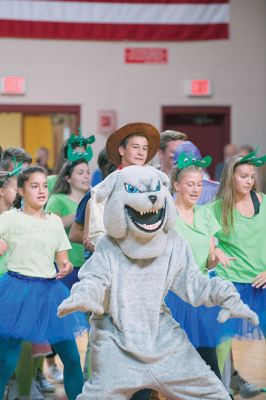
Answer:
(186, 160)
(73, 156)
(252, 159)
(15, 171)
(80, 140)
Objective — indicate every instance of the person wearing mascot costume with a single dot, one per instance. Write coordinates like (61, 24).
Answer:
(135, 342)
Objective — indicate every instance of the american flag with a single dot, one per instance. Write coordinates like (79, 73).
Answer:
(160, 20)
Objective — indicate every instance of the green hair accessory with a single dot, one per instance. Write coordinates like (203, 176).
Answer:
(252, 159)
(15, 171)
(80, 140)
(186, 160)
(73, 156)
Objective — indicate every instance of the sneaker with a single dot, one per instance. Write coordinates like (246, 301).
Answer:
(35, 393)
(12, 391)
(43, 383)
(55, 374)
(245, 389)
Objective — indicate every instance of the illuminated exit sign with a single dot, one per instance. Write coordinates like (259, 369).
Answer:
(13, 85)
(198, 87)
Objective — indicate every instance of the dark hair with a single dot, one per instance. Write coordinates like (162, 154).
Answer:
(4, 180)
(124, 142)
(14, 152)
(106, 166)
(170, 136)
(27, 172)
(61, 184)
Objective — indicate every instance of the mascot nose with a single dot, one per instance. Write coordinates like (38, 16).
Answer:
(153, 198)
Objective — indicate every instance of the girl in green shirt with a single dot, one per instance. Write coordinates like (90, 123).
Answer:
(198, 226)
(31, 291)
(241, 211)
(72, 183)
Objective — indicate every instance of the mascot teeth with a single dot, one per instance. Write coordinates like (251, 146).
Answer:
(149, 221)
(150, 227)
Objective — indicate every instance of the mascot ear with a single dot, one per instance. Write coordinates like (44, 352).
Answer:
(106, 187)
(163, 177)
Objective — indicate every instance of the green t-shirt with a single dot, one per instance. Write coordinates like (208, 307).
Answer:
(199, 234)
(246, 242)
(32, 242)
(51, 179)
(63, 206)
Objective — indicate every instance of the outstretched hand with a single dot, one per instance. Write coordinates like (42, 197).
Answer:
(241, 311)
(221, 258)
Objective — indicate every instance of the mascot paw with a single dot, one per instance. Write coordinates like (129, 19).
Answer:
(241, 312)
(68, 306)
(73, 303)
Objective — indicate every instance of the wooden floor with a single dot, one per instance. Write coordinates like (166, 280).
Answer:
(249, 360)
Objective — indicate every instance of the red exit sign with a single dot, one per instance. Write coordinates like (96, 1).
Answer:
(144, 55)
(198, 87)
(13, 84)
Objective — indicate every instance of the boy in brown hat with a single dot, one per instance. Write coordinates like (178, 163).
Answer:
(133, 144)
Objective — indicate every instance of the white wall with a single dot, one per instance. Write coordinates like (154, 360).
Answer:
(94, 75)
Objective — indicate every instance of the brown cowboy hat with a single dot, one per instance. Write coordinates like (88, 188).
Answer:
(135, 128)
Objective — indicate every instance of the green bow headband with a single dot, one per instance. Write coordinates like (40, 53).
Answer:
(80, 140)
(15, 171)
(252, 159)
(186, 160)
(73, 156)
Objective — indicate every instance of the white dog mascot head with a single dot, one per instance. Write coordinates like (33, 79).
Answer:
(139, 210)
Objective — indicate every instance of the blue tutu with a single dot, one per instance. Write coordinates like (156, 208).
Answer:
(256, 300)
(199, 323)
(28, 310)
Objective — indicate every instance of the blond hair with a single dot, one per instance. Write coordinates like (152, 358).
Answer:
(177, 174)
(226, 193)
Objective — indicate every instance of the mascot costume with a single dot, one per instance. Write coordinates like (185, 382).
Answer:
(135, 343)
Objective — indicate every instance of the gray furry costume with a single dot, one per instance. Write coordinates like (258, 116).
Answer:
(135, 343)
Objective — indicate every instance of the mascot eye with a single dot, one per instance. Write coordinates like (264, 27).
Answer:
(158, 187)
(131, 188)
